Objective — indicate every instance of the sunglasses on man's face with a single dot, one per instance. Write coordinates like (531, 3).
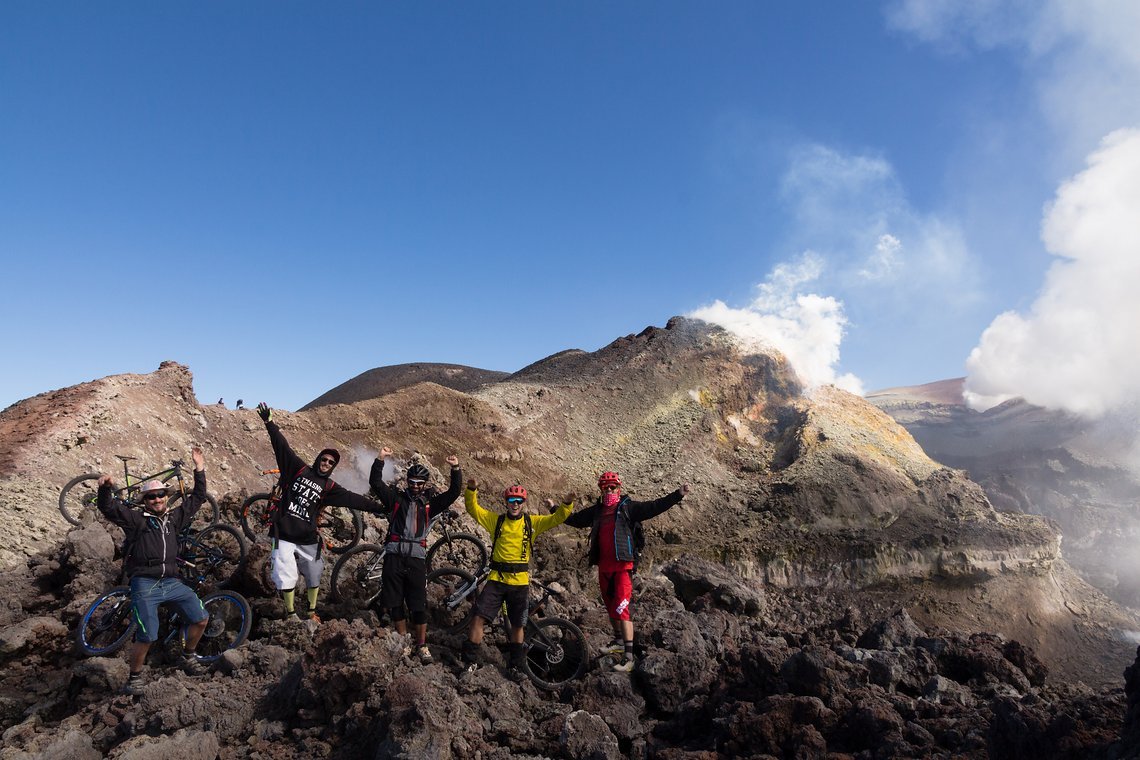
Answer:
(515, 500)
(154, 496)
(416, 482)
(327, 460)
(611, 488)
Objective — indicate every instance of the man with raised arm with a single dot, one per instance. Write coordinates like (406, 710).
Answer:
(512, 546)
(614, 522)
(305, 490)
(410, 511)
(150, 561)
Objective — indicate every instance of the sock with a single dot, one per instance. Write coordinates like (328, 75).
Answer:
(288, 597)
(311, 595)
(629, 649)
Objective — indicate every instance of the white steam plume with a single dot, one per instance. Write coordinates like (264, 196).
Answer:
(805, 327)
(1078, 348)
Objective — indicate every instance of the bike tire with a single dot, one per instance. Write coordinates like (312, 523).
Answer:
(255, 516)
(216, 553)
(230, 620)
(206, 515)
(107, 624)
(78, 497)
(357, 575)
(465, 551)
(445, 611)
(341, 528)
(556, 652)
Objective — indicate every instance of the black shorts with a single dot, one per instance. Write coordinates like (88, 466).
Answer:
(493, 595)
(405, 583)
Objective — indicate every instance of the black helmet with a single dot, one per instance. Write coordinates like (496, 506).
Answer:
(418, 472)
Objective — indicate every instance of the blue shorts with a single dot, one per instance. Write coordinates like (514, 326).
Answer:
(148, 593)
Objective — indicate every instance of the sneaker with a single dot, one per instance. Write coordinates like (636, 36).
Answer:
(311, 616)
(625, 666)
(515, 673)
(192, 666)
(617, 646)
(134, 685)
(424, 655)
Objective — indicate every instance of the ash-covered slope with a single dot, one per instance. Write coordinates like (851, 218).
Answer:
(1077, 472)
(383, 380)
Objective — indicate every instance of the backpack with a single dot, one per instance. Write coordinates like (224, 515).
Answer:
(528, 546)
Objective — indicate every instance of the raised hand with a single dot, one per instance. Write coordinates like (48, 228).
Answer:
(198, 457)
(453, 460)
(106, 480)
(385, 453)
(570, 498)
(684, 489)
(472, 485)
(264, 411)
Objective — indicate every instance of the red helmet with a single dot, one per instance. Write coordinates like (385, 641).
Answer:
(608, 479)
(515, 492)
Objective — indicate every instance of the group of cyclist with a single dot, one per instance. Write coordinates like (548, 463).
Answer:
(152, 548)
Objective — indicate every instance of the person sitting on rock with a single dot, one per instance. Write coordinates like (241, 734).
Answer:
(410, 511)
(305, 490)
(512, 546)
(150, 561)
(614, 526)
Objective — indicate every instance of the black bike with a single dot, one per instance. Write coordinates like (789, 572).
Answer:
(556, 649)
(340, 527)
(79, 495)
(357, 574)
(109, 623)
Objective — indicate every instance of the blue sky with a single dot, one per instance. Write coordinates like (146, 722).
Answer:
(282, 196)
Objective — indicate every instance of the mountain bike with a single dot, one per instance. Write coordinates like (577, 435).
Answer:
(109, 623)
(556, 649)
(357, 575)
(78, 497)
(340, 527)
(213, 555)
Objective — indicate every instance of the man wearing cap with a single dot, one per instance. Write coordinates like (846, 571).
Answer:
(305, 490)
(150, 561)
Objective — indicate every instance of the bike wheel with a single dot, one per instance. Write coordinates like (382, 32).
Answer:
(228, 627)
(449, 609)
(341, 528)
(78, 496)
(556, 652)
(357, 575)
(215, 554)
(255, 516)
(461, 550)
(107, 624)
(207, 514)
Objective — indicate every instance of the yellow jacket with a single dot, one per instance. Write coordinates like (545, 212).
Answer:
(512, 541)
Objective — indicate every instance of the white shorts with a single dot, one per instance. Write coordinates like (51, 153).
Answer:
(288, 558)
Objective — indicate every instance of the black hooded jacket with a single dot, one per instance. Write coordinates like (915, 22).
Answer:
(397, 503)
(152, 540)
(628, 512)
(304, 491)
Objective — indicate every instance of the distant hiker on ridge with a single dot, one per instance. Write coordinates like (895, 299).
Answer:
(305, 490)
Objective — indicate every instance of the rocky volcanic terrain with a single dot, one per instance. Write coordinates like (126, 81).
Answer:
(1084, 475)
(826, 590)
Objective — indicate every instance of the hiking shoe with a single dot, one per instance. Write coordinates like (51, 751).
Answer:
(311, 616)
(515, 673)
(424, 655)
(134, 685)
(625, 666)
(617, 646)
(192, 666)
